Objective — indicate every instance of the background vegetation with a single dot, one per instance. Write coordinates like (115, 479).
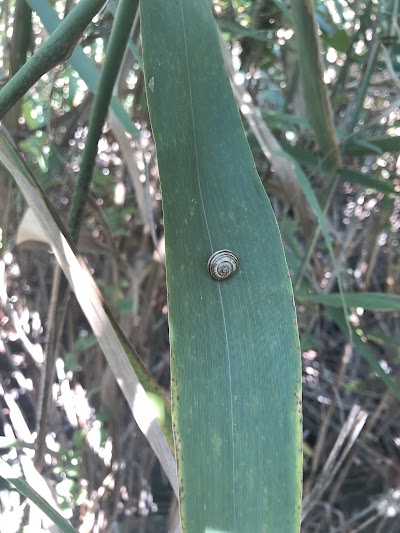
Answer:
(341, 137)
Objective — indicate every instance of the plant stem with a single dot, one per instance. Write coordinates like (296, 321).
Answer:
(22, 32)
(69, 4)
(53, 51)
(115, 52)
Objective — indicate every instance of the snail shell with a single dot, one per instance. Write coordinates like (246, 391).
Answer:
(222, 265)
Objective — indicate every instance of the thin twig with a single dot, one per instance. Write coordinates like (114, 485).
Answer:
(319, 447)
(360, 443)
(350, 431)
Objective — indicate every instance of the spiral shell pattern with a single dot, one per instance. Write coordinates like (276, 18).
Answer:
(222, 265)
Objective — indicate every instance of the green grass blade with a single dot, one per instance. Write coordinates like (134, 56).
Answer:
(365, 351)
(313, 200)
(26, 490)
(312, 80)
(238, 31)
(235, 363)
(148, 404)
(373, 145)
(381, 340)
(373, 52)
(373, 180)
(371, 301)
(118, 41)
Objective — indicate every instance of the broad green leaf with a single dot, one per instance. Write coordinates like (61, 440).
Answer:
(235, 361)
(372, 301)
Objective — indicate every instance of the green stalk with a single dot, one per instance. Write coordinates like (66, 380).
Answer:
(22, 32)
(115, 52)
(21, 39)
(85, 66)
(69, 4)
(53, 51)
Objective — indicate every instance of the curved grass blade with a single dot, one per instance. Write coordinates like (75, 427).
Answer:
(373, 180)
(365, 351)
(382, 340)
(372, 301)
(26, 490)
(373, 145)
(235, 364)
(312, 77)
(313, 200)
(148, 404)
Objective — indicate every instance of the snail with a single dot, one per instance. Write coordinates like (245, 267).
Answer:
(222, 265)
